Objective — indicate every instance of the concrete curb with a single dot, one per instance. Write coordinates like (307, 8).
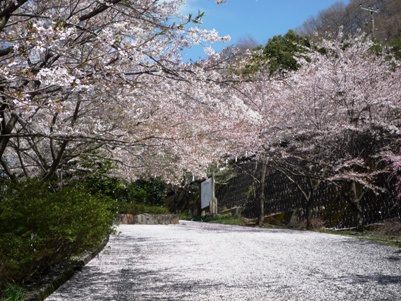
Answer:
(63, 274)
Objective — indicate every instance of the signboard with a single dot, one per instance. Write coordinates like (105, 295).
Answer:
(206, 193)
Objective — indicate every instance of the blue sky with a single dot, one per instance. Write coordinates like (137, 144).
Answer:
(261, 19)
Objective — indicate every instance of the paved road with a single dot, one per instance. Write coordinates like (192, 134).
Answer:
(200, 261)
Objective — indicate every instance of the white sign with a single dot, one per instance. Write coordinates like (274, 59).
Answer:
(206, 193)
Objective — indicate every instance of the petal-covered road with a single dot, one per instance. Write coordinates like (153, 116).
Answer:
(200, 261)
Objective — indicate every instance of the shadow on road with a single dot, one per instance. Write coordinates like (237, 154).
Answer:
(131, 284)
(379, 279)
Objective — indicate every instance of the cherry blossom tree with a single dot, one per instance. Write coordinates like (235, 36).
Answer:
(104, 78)
(332, 120)
(365, 100)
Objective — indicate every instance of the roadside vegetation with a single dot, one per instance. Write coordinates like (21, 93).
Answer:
(226, 219)
(12, 292)
(394, 241)
(45, 224)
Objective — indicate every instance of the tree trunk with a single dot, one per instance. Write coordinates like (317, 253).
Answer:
(310, 201)
(6, 132)
(359, 217)
(309, 225)
(262, 196)
(356, 201)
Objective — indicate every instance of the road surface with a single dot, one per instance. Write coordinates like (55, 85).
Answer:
(202, 261)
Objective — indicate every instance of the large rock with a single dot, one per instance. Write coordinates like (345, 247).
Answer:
(124, 219)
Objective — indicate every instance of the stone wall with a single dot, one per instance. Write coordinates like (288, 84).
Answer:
(147, 219)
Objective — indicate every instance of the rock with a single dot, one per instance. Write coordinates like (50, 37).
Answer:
(127, 219)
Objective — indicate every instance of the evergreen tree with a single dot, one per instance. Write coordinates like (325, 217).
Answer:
(280, 54)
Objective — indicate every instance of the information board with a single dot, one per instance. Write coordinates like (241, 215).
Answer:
(206, 193)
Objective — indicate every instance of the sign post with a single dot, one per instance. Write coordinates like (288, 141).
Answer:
(208, 198)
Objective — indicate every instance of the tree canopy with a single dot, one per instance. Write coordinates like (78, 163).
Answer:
(105, 79)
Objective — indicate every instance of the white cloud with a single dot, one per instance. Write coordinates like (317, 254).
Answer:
(191, 7)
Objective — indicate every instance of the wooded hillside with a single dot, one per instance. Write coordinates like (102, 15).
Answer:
(358, 14)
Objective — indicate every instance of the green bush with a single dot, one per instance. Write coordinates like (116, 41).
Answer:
(150, 192)
(227, 219)
(142, 196)
(12, 292)
(42, 226)
(134, 209)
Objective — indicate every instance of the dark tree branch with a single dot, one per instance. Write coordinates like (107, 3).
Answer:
(4, 138)
(101, 8)
(5, 14)
(6, 51)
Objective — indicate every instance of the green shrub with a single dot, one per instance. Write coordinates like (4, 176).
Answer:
(41, 227)
(12, 292)
(227, 219)
(134, 209)
(185, 216)
(150, 192)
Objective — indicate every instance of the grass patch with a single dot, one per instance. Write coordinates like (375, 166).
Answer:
(185, 216)
(375, 236)
(388, 232)
(226, 219)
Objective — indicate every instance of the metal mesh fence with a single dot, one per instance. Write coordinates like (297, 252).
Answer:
(329, 205)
